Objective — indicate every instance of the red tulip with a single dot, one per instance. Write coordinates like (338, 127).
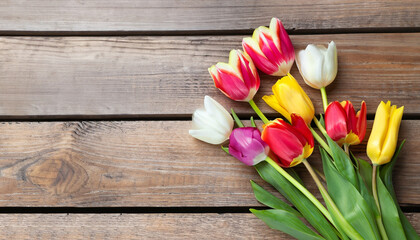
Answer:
(237, 79)
(342, 123)
(291, 143)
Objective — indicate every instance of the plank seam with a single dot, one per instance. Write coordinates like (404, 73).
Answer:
(134, 117)
(147, 210)
(227, 32)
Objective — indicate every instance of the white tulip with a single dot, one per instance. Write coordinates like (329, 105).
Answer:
(211, 124)
(318, 65)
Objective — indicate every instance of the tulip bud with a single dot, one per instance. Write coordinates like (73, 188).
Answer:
(290, 98)
(246, 145)
(271, 49)
(291, 143)
(318, 65)
(342, 123)
(237, 79)
(384, 136)
(211, 124)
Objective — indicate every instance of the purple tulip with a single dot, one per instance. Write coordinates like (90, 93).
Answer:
(246, 145)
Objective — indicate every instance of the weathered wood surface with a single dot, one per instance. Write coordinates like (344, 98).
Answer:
(167, 76)
(143, 163)
(142, 226)
(166, 15)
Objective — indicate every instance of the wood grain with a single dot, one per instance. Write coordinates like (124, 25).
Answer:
(166, 15)
(96, 77)
(144, 164)
(142, 226)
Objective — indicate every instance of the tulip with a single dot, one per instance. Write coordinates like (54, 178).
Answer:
(237, 79)
(343, 125)
(270, 49)
(211, 124)
(290, 98)
(291, 143)
(246, 145)
(384, 136)
(318, 65)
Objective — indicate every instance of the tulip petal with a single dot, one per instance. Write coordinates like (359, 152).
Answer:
(271, 101)
(248, 71)
(203, 120)
(351, 118)
(285, 43)
(218, 113)
(286, 141)
(351, 139)
(335, 121)
(390, 143)
(318, 65)
(313, 61)
(247, 146)
(287, 147)
(299, 124)
(361, 122)
(251, 47)
(379, 131)
(330, 67)
(230, 83)
(208, 135)
(265, 41)
(291, 97)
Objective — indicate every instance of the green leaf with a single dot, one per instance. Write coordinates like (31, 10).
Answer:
(389, 212)
(253, 122)
(350, 202)
(321, 120)
(385, 173)
(294, 175)
(268, 199)
(226, 149)
(365, 170)
(296, 197)
(365, 183)
(386, 170)
(286, 222)
(343, 162)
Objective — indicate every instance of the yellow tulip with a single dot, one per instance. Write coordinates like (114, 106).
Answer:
(290, 98)
(384, 136)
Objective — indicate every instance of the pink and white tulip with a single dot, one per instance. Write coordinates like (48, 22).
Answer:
(237, 79)
(246, 145)
(271, 49)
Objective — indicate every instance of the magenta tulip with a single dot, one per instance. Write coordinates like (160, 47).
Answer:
(246, 145)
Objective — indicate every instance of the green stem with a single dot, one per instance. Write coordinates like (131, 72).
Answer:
(348, 229)
(237, 120)
(321, 141)
(346, 148)
(375, 196)
(324, 98)
(301, 188)
(320, 174)
(320, 127)
(258, 111)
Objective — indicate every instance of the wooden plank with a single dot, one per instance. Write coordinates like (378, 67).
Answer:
(190, 15)
(145, 164)
(84, 77)
(142, 226)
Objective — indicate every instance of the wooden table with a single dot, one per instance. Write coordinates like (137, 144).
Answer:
(96, 99)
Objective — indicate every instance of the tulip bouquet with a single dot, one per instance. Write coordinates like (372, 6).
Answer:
(359, 197)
